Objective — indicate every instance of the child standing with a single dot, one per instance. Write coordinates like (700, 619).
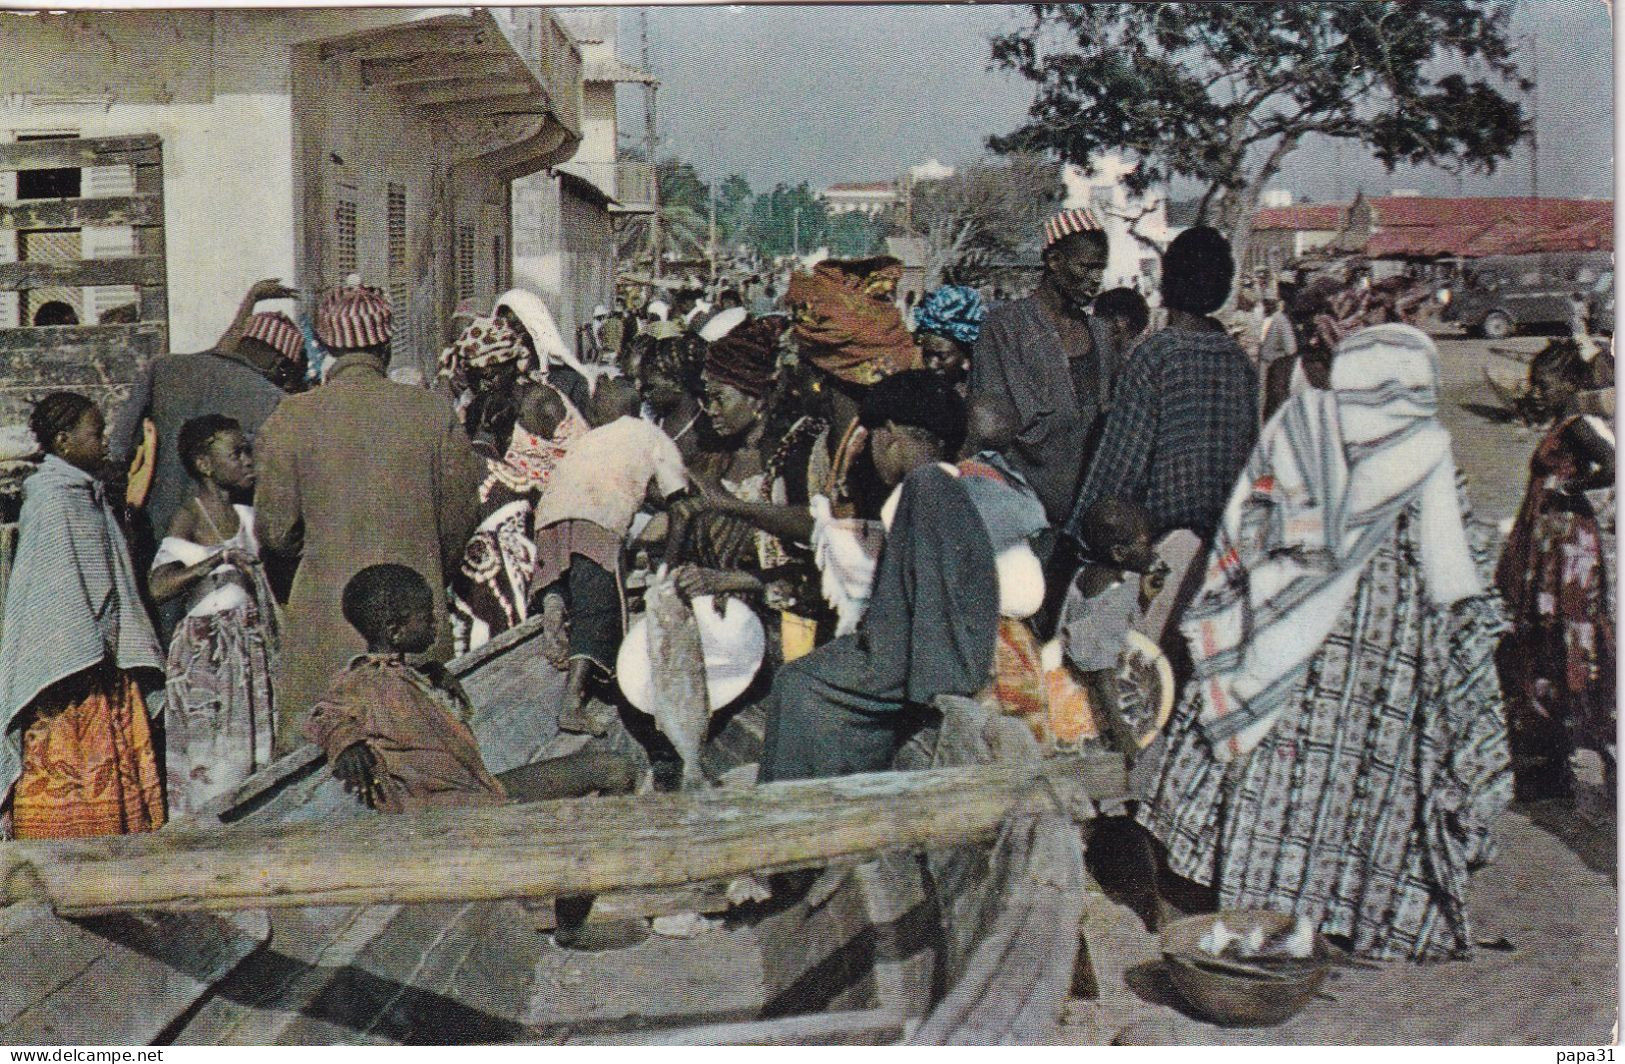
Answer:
(582, 522)
(77, 648)
(220, 708)
(1107, 597)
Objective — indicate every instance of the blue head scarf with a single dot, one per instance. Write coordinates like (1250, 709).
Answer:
(954, 311)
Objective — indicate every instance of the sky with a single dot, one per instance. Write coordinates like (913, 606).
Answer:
(858, 93)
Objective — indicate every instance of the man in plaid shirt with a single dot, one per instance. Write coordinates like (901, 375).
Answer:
(1185, 413)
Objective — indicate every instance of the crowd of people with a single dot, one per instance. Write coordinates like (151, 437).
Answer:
(948, 499)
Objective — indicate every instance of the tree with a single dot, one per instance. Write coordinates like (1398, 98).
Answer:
(982, 216)
(680, 186)
(855, 235)
(734, 200)
(1223, 93)
(777, 217)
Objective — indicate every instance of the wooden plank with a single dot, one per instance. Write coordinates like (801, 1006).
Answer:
(152, 305)
(445, 66)
(141, 149)
(74, 213)
(42, 339)
(861, 1027)
(133, 269)
(539, 850)
(1018, 975)
(111, 981)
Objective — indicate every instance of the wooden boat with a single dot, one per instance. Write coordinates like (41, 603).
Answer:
(945, 904)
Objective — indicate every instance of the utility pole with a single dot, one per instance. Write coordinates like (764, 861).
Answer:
(1534, 120)
(650, 142)
(713, 241)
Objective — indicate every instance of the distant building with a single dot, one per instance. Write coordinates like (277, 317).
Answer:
(1136, 223)
(1286, 233)
(1427, 227)
(913, 252)
(872, 198)
(564, 220)
(930, 170)
(154, 164)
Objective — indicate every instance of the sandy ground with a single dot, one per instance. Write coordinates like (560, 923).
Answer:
(1552, 894)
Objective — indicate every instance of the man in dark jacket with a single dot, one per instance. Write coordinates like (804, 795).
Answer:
(1052, 361)
(235, 378)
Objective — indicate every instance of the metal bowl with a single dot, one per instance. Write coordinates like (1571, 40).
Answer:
(1233, 998)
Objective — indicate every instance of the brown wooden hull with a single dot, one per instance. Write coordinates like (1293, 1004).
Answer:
(970, 944)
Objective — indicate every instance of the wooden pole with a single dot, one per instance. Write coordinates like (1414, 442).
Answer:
(540, 850)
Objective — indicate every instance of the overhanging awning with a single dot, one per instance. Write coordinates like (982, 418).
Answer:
(616, 71)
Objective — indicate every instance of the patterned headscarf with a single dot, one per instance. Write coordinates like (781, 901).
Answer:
(484, 343)
(846, 322)
(954, 311)
(353, 316)
(748, 357)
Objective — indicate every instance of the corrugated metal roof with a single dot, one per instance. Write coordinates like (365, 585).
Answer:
(1320, 217)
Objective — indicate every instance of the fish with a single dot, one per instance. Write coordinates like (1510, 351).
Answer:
(681, 704)
(1217, 939)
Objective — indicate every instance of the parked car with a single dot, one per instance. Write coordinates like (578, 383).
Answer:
(1500, 294)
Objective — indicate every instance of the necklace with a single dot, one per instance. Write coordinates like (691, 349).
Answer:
(213, 528)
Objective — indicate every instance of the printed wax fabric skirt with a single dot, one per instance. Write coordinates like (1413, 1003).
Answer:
(219, 713)
(88, 763)
(1377, 789)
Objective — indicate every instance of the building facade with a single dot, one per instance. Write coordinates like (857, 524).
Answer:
(1136, 223)
(567, 221)
(215, 148)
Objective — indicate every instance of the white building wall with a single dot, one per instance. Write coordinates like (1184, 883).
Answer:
(1136, 225)
(228, 217)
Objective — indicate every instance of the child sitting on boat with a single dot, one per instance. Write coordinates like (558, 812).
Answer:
(397, 735)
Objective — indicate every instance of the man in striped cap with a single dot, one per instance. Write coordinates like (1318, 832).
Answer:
(361, 471)
(1052, 361)
(272, 339)
(236, 377)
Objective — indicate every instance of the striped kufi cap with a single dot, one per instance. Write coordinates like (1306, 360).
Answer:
(353, 316)
(1072, 220)
(278, 331)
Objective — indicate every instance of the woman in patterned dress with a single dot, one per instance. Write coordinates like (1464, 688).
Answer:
(220, 708)
(78, 656)
(1342, 753)
(1558, 663)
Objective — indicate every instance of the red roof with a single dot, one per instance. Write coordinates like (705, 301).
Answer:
(1486, 210)
(1325, 217)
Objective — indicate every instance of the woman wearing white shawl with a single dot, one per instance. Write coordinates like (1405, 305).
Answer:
(1342, 753)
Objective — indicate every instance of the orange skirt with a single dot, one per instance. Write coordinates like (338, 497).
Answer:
(88, 763)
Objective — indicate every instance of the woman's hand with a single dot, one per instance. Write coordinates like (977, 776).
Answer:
(357, 768)
(693, 582)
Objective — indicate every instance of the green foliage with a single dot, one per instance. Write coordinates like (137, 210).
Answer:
(1222, 92)
(854, 235)
(774, 220)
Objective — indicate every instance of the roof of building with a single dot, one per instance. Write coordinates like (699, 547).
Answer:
(1315, 217)
(1485, 210)
(849, 187)
(617, 71)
